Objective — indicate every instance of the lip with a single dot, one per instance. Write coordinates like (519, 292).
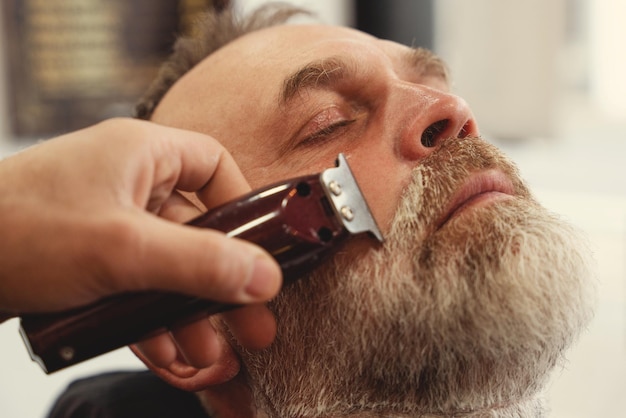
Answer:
(478, 189)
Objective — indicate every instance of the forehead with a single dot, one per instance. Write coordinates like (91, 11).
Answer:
(289, 45)
(300, 37)
(256, 63)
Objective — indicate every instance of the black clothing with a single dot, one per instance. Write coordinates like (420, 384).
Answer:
(126, 395)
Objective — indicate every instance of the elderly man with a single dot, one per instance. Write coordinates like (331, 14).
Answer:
(477, 290)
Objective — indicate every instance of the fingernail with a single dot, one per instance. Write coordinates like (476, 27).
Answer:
(262, 284)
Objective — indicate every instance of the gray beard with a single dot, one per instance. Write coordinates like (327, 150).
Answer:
(467, 320)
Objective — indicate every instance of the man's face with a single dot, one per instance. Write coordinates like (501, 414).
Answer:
(477, 289)
(287, 100)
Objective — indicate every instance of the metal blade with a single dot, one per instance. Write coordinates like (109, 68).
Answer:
(347, 199)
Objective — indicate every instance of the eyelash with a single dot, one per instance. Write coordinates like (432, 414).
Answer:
(326, 132)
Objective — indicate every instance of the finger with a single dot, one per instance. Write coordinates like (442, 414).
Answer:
(227, 183)
(198, 343)
(198, 162)
(160, 350)
(185, 259)
(165, 158)
(179, 208)
(225, 179)
(253, 326)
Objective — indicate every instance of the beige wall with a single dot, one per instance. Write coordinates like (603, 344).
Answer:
(608, 57)
(503, 59)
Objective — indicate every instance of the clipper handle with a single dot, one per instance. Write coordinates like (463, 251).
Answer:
(291, 220)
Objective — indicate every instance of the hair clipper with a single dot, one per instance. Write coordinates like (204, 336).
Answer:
(300, 222)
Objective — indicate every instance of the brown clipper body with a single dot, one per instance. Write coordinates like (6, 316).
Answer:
(300, 222)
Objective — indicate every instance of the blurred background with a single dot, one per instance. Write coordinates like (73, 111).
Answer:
(545, 80)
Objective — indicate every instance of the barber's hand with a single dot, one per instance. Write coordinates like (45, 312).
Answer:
(82, 217)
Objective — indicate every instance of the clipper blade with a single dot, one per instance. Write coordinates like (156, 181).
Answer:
(347, 199)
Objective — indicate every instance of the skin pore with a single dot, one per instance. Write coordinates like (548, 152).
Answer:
(477, 290)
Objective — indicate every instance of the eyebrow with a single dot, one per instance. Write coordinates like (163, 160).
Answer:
(329, 71)
(317, 74)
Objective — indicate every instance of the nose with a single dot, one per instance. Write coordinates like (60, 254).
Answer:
(428, 116)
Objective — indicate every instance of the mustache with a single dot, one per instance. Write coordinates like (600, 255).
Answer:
(458, 169)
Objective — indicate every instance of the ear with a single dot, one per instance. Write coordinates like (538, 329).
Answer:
(183, 376)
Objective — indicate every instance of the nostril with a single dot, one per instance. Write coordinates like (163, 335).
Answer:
(466, 130)
(433, 132)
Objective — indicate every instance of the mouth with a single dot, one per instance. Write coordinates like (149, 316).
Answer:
(481, 188)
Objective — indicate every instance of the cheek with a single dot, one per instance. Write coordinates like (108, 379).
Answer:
(382, 182)
(261, 177)
(382, 198)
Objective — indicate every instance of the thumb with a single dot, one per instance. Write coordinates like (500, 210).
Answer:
(200, 262)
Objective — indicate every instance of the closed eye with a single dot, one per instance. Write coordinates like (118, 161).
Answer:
(326, 132)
